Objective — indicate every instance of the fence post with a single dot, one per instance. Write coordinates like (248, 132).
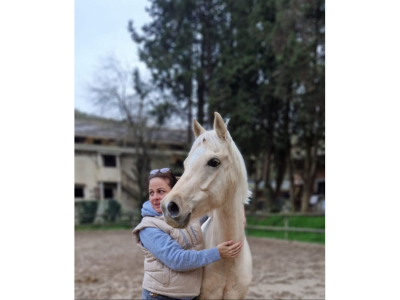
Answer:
(286, 227)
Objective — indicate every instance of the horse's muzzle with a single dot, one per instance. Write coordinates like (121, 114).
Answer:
(174, 216)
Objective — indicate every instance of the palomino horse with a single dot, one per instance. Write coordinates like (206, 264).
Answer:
(214, 183)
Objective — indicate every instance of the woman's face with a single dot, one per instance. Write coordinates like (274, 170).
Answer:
(158, 188)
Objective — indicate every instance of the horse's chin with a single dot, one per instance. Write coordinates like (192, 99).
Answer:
(179, 222)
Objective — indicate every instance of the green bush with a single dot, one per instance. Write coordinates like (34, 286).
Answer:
(112, 210)
(87, 211)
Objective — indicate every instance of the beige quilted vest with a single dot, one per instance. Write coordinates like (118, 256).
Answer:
(160, 279)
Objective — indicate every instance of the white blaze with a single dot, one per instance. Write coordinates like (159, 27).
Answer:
(198, 152)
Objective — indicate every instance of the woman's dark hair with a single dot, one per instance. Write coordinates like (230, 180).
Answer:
(171, 177)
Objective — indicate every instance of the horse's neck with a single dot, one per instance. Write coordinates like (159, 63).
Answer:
(227, 223)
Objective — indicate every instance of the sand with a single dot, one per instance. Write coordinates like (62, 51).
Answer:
(108, 265)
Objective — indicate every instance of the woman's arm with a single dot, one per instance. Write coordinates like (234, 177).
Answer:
(170, 253)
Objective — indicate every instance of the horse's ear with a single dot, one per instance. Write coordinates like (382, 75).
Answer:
(197, 128)
(219, 125)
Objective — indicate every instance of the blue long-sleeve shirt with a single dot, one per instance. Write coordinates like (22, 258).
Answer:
(169, 252)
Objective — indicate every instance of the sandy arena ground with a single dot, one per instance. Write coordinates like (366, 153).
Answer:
(108, 265)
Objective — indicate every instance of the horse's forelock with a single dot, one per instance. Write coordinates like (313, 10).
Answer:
(212, 140)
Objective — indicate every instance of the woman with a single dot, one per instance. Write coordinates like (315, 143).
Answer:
(173, 257)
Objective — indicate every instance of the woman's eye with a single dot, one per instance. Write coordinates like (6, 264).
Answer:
(213, 162)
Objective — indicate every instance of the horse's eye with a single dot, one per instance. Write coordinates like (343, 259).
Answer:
(213, 162)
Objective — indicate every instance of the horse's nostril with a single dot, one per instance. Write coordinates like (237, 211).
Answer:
(173, 209)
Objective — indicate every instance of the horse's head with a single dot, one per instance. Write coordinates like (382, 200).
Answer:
(214, 172)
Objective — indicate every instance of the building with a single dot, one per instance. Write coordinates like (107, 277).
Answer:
(104, 159)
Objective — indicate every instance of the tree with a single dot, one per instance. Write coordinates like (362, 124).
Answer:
(309, 96)
(270, 79)
(180, 47)
(117, 89)
(243, 86)
(166, 47)
(258, 62)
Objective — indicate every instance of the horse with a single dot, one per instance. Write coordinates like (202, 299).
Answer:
(214, 182)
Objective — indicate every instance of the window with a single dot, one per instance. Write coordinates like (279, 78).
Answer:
(79, 191)
(109, 190)
(109, 161)
(108, 193)
(79, 140)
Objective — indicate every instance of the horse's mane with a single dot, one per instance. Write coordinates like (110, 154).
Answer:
(216, 144)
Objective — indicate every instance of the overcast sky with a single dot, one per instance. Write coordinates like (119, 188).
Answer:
(100, 31)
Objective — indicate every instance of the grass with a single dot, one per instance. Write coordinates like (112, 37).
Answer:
(299, 222)
(292, 236)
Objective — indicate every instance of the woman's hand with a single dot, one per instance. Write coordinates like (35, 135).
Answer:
(228, 249)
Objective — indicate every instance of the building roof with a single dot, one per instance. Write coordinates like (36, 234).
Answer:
(95, 128)
(117, 130)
